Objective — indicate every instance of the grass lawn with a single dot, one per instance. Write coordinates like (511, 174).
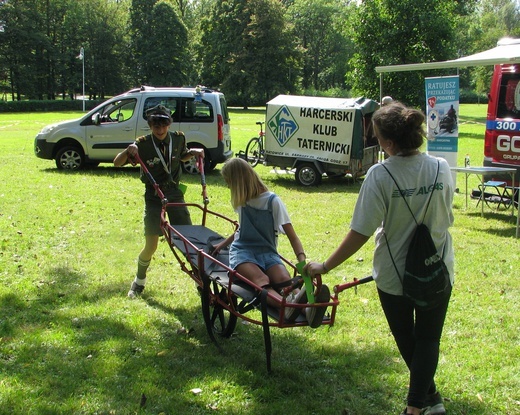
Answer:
(71, 342)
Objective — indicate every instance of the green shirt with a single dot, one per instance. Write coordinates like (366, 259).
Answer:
(165, 167)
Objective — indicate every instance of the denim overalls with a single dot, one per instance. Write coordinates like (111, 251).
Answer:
(257, 238)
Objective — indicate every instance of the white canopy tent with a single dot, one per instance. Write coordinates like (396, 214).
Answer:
(506, 51)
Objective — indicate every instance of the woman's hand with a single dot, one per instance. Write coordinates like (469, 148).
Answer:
(215, 251)
(218, 247)
(314, 268)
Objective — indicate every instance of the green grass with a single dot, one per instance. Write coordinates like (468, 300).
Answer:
(72, 343)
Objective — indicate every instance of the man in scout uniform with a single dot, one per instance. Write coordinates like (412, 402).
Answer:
(163, 153)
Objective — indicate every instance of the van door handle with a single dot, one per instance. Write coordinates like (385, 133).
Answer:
(128, 129)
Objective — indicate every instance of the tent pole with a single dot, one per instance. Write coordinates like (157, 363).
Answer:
(380, 87)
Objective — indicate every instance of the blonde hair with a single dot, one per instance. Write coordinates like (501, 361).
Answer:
(244, 183)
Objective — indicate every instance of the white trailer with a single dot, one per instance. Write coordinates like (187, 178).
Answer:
(320, 136)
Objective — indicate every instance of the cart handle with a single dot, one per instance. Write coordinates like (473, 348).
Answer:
(200, 166)
(151, 178)
(342, 287)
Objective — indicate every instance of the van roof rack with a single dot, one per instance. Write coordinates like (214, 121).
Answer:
(143, 88)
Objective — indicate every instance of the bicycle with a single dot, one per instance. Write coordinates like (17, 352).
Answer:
(255, 149)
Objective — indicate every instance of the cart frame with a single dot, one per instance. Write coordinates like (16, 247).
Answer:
(225, 294)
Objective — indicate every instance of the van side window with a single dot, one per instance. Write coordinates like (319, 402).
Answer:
(171, 103)
(509, 90)
(192, 111)
(118, 111)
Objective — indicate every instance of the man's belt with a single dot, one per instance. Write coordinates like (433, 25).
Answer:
(168, 185)
(164, 186)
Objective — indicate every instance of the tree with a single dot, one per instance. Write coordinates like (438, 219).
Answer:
(252, 49)
(488, 23)
(392, 32)
(326, 48)
(42, 39)
(159, 43)
(25, 47)
(106, 43)
(247, 51)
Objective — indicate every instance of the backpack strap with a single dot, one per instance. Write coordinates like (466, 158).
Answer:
(402, 194)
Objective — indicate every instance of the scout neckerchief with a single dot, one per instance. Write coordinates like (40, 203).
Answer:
(167, 166)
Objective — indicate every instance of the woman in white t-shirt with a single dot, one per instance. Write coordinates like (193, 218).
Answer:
(400, 132)
(253, 248)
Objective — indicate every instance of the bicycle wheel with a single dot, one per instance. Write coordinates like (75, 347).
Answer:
(253, 151)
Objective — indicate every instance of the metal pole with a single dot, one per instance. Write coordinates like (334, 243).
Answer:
(82, 54)
(380, 88)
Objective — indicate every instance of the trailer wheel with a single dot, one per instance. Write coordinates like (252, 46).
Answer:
(307, 174)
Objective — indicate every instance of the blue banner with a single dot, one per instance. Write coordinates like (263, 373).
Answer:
(442, 114)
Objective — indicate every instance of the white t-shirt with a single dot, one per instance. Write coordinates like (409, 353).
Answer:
(379, 203)
(280, 214)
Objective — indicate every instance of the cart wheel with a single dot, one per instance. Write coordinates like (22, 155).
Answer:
(218, 317)
(308, 175)
(253, 151)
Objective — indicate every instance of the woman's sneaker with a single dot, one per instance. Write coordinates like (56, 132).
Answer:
(292, 313)
(315, 314)
(434, 405)
(135, 290)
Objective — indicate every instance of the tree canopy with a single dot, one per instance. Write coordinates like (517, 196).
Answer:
(250, 49)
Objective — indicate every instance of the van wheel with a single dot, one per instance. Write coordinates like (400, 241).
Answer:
(307, 175)
(191, 167)
(70, 158)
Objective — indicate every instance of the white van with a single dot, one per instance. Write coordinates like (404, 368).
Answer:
(103, 132)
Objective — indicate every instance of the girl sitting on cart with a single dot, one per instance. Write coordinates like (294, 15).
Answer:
(253, 250)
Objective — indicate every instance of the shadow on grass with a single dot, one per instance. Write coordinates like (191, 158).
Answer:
(328, 185)
(500, 216)
(68, 347)
(127, 171)
(472, 136)
(469, 119)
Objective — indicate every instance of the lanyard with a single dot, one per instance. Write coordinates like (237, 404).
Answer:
(167, 166)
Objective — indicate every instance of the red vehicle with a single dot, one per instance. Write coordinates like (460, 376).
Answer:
(502, 139)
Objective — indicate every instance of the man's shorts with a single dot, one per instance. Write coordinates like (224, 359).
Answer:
(177, 215)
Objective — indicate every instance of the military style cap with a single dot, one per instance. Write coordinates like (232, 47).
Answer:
(159, 111)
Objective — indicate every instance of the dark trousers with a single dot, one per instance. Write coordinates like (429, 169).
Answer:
(417, 334)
